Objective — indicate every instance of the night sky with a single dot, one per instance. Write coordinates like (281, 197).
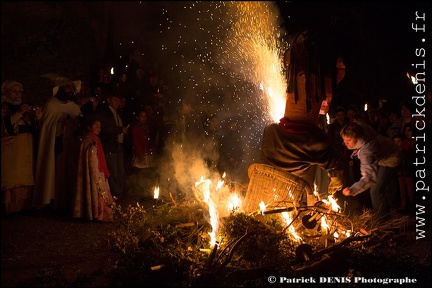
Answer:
(206, 48)
(377, 37)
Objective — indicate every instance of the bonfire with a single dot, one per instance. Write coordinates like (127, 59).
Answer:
(193, 242)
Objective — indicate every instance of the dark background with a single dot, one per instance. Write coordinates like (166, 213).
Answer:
(376, 37)
(77, 38)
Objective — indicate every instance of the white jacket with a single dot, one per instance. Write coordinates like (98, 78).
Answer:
(374, 150)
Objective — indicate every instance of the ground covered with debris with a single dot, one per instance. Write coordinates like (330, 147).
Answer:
(157, 243)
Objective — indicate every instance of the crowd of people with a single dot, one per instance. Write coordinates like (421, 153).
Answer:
(73, 153)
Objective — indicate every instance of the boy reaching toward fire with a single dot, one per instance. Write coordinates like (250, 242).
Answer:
(379, 156)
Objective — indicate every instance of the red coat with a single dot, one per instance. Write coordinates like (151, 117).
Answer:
(140, 140)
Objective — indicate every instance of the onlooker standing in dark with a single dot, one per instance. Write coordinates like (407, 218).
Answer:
(96, 98)
(153, 85)
(112, 138)
(124, 89)
(105, 80)
(393, 115)
(157, 129)
(60, 118)
(123, 86)
(406, 111)
(17, 148)
(408, 154)
(351, 112)
(139, 92)
(337, 142)
(377, 121)
(92, 198)
(189, 126)
(405, 177)
(379, 157)
(142, 143)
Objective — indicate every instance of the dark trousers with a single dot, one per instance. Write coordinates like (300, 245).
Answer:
(380, 201)
(115, 163)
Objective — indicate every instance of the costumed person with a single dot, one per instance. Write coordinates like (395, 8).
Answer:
(17, 146)
(92, 199)
(379, 157)
(296, 144)
(58, 146)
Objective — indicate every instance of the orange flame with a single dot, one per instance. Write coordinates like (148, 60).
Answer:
(214, 215)
(262, 207)
(234, 204)
(288, 219)
(330, 201)
(324, 224)
(156, 193)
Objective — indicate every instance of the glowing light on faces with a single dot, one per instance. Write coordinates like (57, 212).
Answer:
(349, 142)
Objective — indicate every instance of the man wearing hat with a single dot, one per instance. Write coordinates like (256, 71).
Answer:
(58, 122)
(112, 138)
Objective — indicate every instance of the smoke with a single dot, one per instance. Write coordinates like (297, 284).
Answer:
(217, 48)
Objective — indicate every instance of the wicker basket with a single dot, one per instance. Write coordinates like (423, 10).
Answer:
(274, 187)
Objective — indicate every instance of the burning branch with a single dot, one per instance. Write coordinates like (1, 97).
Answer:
(172, 199)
